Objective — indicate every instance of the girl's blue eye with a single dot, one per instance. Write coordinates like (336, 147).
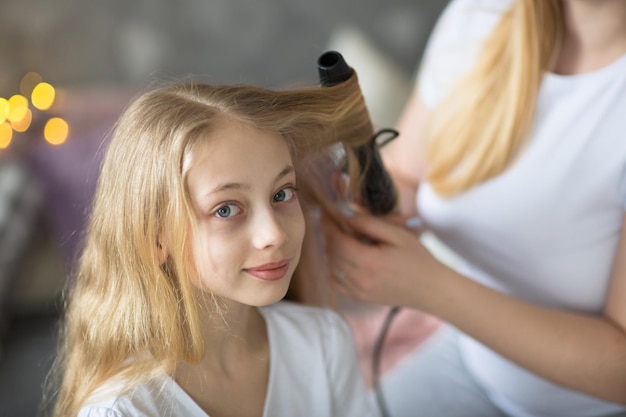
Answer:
(285, 194)
(227, 210)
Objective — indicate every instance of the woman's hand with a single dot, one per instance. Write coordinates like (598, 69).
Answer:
(382, 261)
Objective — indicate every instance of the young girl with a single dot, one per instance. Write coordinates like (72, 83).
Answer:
(194, 235)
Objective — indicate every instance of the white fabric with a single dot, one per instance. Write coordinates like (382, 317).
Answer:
(313, 372)
(546, 230)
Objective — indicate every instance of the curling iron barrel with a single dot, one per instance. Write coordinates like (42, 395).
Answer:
(377, 192)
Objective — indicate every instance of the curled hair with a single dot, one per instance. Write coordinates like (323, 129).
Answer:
(130, 315)
(481, 126)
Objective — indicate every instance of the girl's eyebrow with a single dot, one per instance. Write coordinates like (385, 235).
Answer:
(239, 186)
(286, 171)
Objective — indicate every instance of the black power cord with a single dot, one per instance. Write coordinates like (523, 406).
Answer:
(376, 358)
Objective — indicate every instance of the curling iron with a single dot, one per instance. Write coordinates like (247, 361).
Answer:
(377, 192)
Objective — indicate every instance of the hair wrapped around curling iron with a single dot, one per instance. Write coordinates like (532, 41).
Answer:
(356, 154)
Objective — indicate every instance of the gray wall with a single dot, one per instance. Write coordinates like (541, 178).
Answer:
(74, 43)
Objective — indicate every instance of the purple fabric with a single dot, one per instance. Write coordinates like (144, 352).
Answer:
(68, 173)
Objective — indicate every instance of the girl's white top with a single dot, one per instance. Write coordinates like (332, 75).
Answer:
(546, 230)
(313, 372)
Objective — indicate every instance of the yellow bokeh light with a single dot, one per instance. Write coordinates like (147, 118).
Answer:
(23, 124)
(56, 131)
(18, 107)
(4, 109)
(29, 81)
(42, 96)
(6, 134)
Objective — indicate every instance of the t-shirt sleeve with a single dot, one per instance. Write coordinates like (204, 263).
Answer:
(351, 398)
(454, 44)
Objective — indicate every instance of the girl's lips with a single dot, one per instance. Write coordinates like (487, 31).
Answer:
(269, 272)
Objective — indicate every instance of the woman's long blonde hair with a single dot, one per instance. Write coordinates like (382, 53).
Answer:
(130, 315)
(476, 132)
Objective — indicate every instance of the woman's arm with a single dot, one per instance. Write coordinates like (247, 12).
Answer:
(584, 352)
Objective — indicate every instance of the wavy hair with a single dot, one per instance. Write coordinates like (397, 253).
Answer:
(480, 127)
(125, 302)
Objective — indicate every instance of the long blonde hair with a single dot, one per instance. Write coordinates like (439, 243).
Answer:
(480, 127)
(125, 302)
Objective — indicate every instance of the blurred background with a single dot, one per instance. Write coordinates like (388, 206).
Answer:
(67, 69)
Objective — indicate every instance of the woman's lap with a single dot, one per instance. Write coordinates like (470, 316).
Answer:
(433, 382)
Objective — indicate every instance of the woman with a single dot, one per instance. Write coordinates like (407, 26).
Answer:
(194, 235)
(513, 153)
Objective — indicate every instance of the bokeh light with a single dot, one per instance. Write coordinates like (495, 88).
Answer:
(42, 96)
(28, 83)
(23, 124)
(6, 134)
(18, 107)
(4, 109)
(17, 113)
(56, 131)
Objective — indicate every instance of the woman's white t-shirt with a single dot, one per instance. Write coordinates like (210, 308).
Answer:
(546, 230)
(313, 372)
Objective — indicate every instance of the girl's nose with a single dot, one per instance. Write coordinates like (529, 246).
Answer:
(268, 231)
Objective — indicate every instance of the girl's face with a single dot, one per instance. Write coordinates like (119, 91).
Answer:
(250, 224)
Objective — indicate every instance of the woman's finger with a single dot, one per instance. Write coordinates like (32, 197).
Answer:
(341, 280)
(373, 229)
(412, 224)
